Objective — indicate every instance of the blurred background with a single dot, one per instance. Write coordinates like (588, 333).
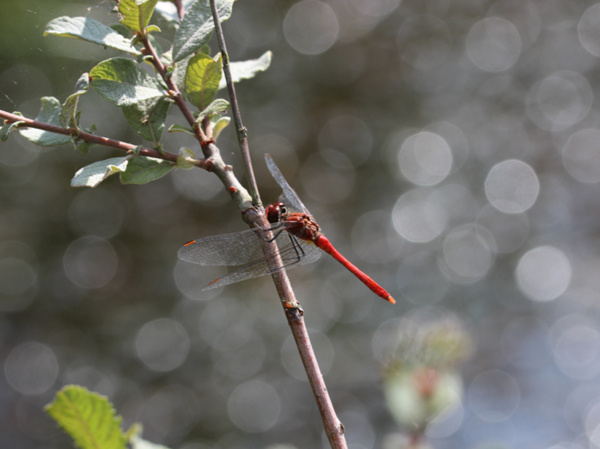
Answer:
(451, 149)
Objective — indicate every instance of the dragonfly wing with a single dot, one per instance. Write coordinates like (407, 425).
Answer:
(236, 248)
(293, 253)
(289, 196)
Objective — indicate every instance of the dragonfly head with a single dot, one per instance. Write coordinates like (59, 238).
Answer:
(276, 212)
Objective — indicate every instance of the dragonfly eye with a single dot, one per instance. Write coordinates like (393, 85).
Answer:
(275, 212)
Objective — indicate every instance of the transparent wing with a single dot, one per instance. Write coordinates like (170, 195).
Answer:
(236, 248)
(244, 248)
(289, 196)
(293, 255)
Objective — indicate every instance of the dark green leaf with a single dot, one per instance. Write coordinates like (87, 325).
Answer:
(244, 70)
(50, 113)
(136, 13)
(93, 174)
(196, 27)
(142, 170)
(202, 79)
(88, 418)
(89, 30)
(147, 118)
(121, 81)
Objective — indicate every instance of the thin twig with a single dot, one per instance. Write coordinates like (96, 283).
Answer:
(242, 132)
(333, 427)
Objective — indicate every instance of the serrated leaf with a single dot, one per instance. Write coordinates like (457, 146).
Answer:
(93, 174)
(121, 81)
(89, 30)
(49, 113)
(142, 170)
(202, 79)
(136, 13)
(197, 26)
(243, 70)
(68, 113)
(147, 118)
(88, 418)
(216, 107)
(219, 125)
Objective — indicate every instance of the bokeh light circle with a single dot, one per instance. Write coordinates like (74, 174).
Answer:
(543, 273)
(494, 396)
(493, 44)
(254, 406)
(31, 368)
(560, 100)
(425, 158)
(589, 30)
(469, 252)
(581, 155)
(311, 27)
(512, 186)
(417, 217)
(90, 262)
(162, 344)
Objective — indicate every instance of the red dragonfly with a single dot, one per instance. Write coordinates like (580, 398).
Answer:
(297, 234)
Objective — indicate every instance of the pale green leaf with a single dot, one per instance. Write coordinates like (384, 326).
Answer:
(187, 158)
(219, 125)
(142, 170)
(88, 418)
(216, 107)
(121, 81)
(197, 26)
(93, 174)
(243, 70)
(6, 129)
(136, 14)
(89, 30)
(138, 442)
(202, 79)
(176, 128)
(49, 113)
(68, 112)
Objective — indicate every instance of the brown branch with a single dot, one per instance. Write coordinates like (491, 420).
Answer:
(294, 314)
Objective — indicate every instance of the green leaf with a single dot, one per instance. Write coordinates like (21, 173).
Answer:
(202, 79)
(88, 418)
(176, 128)
(187, 158)
(244, 70)
(197, 26)
(68, 113)
(93, 174)
(89, 30)
(147, 117)
(142, 170)
(218, 125)
(7, 128)
(121, 81)
(136, 13)
(216, 107)
(49, 113)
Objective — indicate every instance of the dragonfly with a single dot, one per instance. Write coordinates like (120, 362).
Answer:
(297, 234)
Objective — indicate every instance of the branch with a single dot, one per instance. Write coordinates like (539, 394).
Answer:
(91, 138)
(294, 314)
